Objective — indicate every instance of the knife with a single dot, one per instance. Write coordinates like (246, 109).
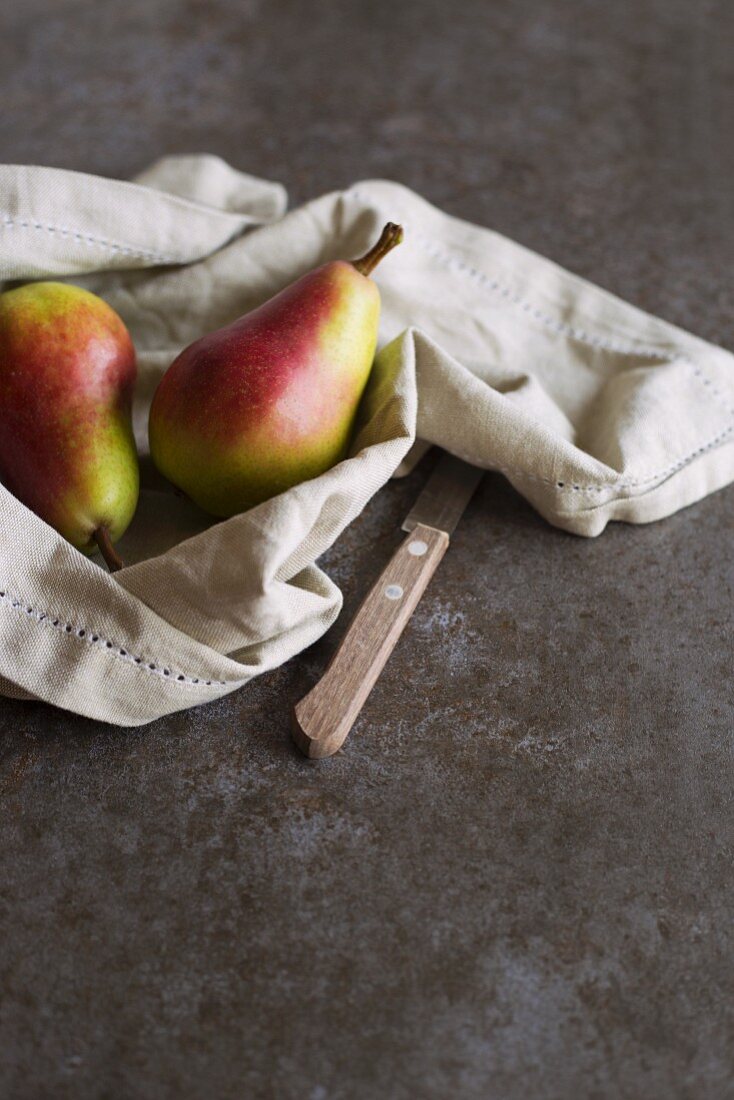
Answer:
(323, 718)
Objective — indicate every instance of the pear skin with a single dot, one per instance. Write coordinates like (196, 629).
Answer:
(269, 401)
(67, 371)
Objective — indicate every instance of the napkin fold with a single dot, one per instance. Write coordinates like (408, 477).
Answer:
(594, 410)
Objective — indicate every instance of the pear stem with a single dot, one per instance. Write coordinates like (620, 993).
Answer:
(102, 537)
(391, 235)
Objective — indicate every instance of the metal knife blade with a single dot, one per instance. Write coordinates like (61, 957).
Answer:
(445, 495)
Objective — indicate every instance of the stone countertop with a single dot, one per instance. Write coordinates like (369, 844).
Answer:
(516, 880)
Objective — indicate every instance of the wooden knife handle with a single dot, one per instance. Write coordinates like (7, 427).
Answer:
(324, 717)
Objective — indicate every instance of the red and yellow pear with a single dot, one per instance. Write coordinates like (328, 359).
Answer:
(67, 370)
(269, 401)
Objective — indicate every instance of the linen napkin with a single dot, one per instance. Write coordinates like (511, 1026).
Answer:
(594, 410)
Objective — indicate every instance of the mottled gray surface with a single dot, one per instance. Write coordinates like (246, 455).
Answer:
(516, 881)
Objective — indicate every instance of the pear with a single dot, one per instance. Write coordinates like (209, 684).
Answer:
(67, 370)
(269, 401)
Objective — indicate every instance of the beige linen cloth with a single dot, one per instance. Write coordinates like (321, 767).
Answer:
(594, 411)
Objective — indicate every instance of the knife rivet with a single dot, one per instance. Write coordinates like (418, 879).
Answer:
(417, 548)
(393, 592)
